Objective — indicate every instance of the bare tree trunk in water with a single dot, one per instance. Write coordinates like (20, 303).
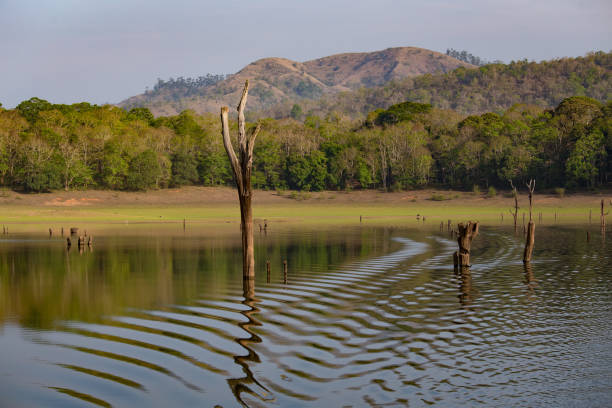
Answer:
(242, 174)
(530, 241)
(516, 206)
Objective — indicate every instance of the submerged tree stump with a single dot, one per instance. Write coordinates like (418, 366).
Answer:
(516, 206)
(285, 272)
(530, 239)
(465, 236)
(529, 242)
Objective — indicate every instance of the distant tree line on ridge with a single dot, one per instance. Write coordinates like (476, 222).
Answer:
(187, 85)
(490, 88)
(465, 57)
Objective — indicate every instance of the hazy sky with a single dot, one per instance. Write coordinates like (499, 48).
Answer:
(101, 51)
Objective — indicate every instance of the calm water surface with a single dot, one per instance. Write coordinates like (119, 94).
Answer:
(364, 317)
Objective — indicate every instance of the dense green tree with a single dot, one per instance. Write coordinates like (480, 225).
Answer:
(296, 112)
(113, 167)
(143, 171)
(584, 161)
(184, 169)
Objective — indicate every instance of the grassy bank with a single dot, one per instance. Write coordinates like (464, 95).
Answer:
(213, 206)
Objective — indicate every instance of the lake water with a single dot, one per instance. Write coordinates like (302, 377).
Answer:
(369, 316)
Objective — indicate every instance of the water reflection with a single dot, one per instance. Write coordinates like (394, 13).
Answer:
(248, 383)
(530, 280)
(465, 286)
(369, 317)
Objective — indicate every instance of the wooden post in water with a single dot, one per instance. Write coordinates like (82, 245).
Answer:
(530, 239)
(268, 270)
(50, 232)
(466, 234)
(241, 168)
(62, 231)
(516, 206)
(285, 271)
(449, 225)
(603, 216)
(588, 237)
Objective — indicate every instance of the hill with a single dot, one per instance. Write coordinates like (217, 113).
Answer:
(276, 81)
(493, 87)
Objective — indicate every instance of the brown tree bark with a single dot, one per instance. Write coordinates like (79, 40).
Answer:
(466, 234)
(241, 168)
(516, 206)
(530, 240)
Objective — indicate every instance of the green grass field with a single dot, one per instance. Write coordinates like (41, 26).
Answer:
(26, 218)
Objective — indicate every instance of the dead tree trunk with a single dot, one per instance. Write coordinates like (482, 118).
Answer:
(242, 175)
(516, 206)
(530, 240)
(466, 234)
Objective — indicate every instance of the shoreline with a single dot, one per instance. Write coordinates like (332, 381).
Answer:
(219, 205)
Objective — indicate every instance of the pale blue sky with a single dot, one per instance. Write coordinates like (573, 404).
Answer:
(106, 50)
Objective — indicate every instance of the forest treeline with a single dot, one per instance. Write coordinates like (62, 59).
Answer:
(45, 146)
(490, 88)
(466, 57)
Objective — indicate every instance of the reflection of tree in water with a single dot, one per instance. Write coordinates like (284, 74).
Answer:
(465, 285)
(530, 280)
(248, 382)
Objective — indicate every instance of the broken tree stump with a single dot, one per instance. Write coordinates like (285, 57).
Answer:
(74, 231)
(466, 235)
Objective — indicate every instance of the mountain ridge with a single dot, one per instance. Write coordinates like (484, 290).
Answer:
(277, 80)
